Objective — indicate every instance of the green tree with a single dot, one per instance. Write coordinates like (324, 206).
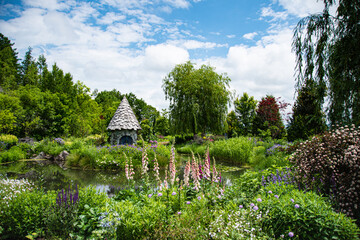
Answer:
(233, 126)
(10, 110)
(146, 130)
(109, 101)
(307, 118)
(245, 109)
(29, 70)
(9, 66)
(84, 114)
(198, 99)
(162, 126)
(328, 51)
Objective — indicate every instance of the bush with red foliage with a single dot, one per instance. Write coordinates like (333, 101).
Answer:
(268, 119)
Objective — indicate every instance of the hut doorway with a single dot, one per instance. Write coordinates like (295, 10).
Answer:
(126, 140)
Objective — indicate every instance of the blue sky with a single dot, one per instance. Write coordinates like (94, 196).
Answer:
(131, 45)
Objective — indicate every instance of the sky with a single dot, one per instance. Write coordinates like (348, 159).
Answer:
(132, 45)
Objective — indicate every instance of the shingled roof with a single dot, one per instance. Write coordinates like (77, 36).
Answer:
(124, 118)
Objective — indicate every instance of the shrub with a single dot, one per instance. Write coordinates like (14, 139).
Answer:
(25, 213)
(330, 164)
(49, 146)
(7, 141)
(88, 156)
(13, 154)
(245, 187)
(305, 215)
(258, 156)
(137, 222)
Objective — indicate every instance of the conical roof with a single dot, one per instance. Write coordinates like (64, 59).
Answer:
(124, 118)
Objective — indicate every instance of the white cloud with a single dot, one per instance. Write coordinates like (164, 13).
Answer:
(37, 27)
(110, 18)
(266, 68)
(126, 4)
(164, 57)
(178, 3)
(193, 44)
(129, 33)
(302, 8)
(275, 16)
(82, 12)
(48, 4)
(250, 36)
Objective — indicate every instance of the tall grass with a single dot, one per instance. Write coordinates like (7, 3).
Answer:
(236, 150)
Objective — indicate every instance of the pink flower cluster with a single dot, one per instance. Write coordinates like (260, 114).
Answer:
(129, 169)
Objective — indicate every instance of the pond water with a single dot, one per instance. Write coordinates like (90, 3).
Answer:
(51, 176)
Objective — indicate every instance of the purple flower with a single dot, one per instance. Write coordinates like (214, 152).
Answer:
(241, 206)
(150, 195)
(276, 196)
(179, 212)
(251, 204)
(173, 193)
(292, 200)
(259, 200)
(291, 234)
(159, 194)
(188, 202)
(199, 198)
(297, 206)
(255, 208)
(269, 191)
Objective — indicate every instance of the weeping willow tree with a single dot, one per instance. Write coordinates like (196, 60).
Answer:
(328, 51)
(198, 99)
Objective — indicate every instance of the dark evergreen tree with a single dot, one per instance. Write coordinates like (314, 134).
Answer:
(307, 118)
(29, 70)
(9, 66)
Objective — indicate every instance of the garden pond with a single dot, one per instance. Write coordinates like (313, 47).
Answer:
(51, 176)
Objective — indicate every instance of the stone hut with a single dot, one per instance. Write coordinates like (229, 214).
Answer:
(124, 125)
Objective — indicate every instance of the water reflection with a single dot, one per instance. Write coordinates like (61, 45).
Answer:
(52, 177)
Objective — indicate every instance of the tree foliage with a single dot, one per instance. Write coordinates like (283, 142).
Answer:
(233, 128)
(245, 109)
(198, 99)
(307, 118)
(328, 51)
(268, 122)
(9, 66)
